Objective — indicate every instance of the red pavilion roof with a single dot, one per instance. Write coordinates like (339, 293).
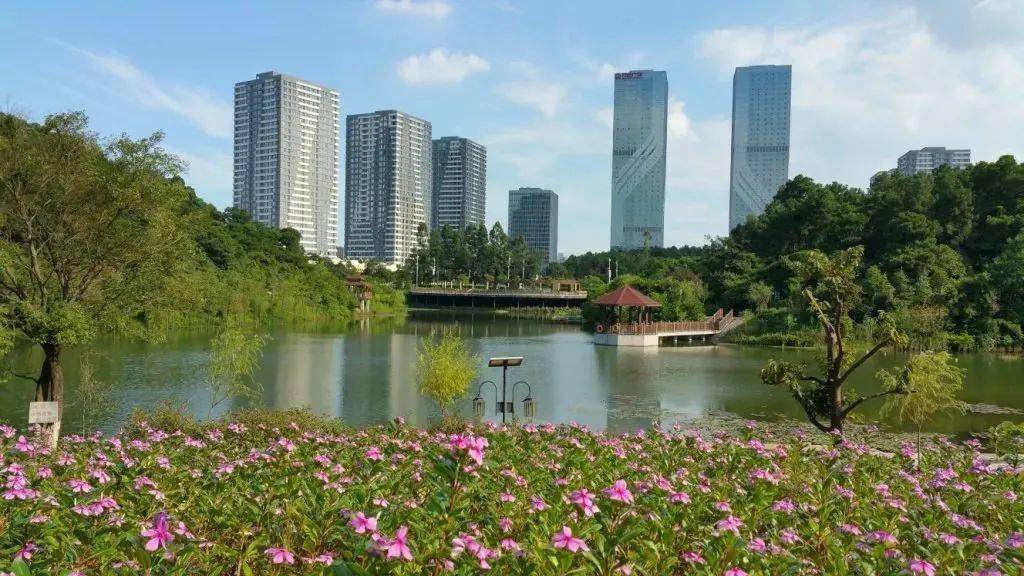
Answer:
(627, 296)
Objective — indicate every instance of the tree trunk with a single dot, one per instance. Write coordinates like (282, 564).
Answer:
(50, 387)
(836, 419)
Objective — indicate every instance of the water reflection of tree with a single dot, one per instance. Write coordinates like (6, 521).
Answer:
(633, 402)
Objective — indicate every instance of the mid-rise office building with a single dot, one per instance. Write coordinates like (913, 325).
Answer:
(638, 159)
(460, 183)
(761, 97)
(533, 214)
(928, 159)
(387, 184)
(286, 157)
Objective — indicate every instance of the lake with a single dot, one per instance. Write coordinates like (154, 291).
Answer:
(365, 374)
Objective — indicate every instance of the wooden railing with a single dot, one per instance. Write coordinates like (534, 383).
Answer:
(715, 323)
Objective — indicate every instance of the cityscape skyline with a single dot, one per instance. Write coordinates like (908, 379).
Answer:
(537, 92)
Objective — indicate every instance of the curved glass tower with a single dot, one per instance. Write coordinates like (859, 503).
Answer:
(760, 138)
(638, 159)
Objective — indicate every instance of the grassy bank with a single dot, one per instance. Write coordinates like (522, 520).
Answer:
(287, 493)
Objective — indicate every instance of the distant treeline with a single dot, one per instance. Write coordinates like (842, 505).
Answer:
(943, 252)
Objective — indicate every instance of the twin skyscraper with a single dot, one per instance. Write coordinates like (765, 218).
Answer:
(759, 156)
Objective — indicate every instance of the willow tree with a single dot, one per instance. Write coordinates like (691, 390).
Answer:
(90, 231)
(829, 285)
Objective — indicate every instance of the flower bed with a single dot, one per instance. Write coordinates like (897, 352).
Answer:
(255, 498)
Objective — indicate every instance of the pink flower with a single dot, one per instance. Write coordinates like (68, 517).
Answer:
(79, 486)
(679, 497)
(399, 548)
(734, 572)
(280, 556)
(729, 524)
(373, 453)
(619, 492)
(585, 500)
(693, 558)
(537, 503)
(922, 567)
(159, 535)
(362, 524)
(565, 539)
(785, 506)
(26, 552)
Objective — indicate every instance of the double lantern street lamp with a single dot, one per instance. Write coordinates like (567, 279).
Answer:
(501, 405)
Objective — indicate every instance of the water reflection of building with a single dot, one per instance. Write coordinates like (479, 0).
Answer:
(304, 371)
(364, 372)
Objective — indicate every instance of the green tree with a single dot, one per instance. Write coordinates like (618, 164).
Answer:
(831, 289)
(90, 234)
(927, 385)
(445, 367)
(235, 354)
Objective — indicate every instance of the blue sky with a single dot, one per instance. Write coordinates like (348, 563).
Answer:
(532, 80)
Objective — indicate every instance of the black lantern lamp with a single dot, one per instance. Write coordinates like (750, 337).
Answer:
(501, 405)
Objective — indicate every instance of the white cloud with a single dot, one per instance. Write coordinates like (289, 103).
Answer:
(439, 66)
(530, 89)
(197, 105)
(678, 121)
(427, 8)
(866, 91)
(605, 116)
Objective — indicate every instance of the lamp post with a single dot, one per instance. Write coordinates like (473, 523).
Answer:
(502, 405)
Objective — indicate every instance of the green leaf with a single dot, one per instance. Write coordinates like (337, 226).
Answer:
(19, 568)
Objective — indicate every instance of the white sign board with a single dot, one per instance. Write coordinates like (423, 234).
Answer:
(43, 413)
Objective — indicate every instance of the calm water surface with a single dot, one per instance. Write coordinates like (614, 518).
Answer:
(366, 375)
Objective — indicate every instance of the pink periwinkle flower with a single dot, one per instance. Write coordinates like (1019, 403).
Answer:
(620, 492)
(734, 571)
(280, 556)
(565, 539)
(921, 567)
(362, 524)
(79, 486)
(399, 546)
(158, 533)
(729, 524)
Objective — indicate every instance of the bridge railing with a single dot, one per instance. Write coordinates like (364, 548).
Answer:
(634, 328)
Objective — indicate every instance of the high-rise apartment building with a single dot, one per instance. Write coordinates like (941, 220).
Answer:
(460, 183)
(638, 159)
(761, 97)
(286, 157)
(387, 184)
(928, 159)
(533, 214)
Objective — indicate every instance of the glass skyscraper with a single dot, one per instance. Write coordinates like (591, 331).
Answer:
(638, 159)
(533, 214)
(760, 138)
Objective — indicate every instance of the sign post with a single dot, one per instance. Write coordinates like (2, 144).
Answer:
(46, 414)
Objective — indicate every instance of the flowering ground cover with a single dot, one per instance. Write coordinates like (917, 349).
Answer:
(270, 496)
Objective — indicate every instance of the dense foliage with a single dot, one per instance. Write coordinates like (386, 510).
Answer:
(104, 236)
(286, 495)
(944, 252)
(471, 255)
